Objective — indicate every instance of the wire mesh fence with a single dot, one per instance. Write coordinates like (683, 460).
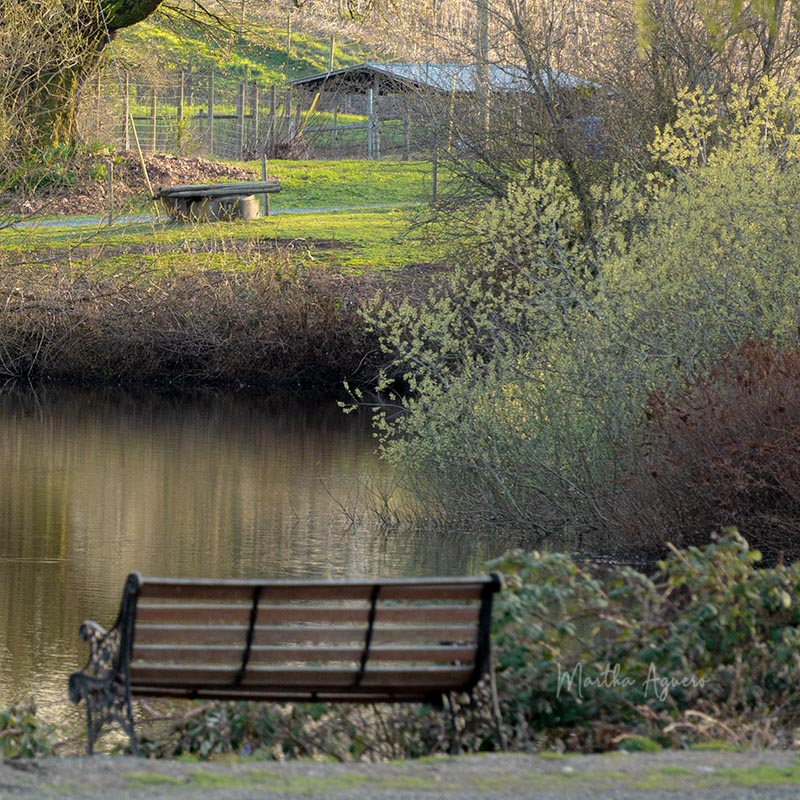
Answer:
(217, 116)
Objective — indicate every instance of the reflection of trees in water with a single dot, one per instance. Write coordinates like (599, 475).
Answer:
(97, 484)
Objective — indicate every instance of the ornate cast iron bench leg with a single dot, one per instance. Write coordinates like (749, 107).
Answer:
(103, 686)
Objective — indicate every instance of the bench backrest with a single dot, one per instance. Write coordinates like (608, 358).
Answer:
(397, 639)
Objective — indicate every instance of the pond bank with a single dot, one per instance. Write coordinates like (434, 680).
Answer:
(673, 774)
(271, 325)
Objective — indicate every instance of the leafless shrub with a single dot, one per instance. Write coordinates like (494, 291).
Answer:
(723, 452)
(270, 323)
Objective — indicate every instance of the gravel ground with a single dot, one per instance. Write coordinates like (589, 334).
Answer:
(668, 775)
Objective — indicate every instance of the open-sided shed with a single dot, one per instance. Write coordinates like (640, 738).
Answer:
(425, 92)
(397, 77)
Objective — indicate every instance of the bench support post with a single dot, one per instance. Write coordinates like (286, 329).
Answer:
(104, 683)
(105, 705)
(497, 719)
(456, 746)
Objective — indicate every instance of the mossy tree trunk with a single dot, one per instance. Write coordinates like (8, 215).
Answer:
(48, 49)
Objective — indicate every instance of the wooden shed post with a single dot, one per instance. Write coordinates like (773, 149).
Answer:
(375, 126)
(211, 113)
(370, 125)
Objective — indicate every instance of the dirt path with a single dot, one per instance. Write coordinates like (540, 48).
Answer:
(669, 775)
(82, 222)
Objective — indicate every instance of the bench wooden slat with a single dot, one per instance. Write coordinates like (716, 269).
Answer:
(264, 634)
(278, 591)
(432, 677)
(206, 654)
(194, 614)
(191, 189)
(209, 614)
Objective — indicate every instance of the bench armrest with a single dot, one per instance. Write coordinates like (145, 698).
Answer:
(102, 663)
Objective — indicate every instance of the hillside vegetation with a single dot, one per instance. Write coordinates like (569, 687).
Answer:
(271, 49)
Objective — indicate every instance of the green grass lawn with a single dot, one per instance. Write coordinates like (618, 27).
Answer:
(257, 53)
(326, 184)
(352, 241)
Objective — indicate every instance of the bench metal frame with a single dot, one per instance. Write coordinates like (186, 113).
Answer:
(396, 640)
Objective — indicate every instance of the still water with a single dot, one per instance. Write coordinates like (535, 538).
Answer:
(94, 485)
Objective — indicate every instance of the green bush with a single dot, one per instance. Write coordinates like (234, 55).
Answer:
(707, 647)
(303, 730)
(587, 657)
(56, 168)
(23, 734)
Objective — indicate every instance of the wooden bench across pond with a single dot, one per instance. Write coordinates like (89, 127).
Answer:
(360, 641)
(215, 201)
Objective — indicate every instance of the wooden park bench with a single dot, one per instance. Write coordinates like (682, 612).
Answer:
(395, 640)
(215, 201)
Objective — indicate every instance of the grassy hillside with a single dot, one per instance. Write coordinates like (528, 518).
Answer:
(259, 51)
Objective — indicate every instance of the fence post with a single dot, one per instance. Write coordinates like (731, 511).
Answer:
(240, 100)
(110, 190)
(264, 178)
(179, 114)
(153, 112)
(98, 107)
(435, 171)
(127, 105)
(287, 114)
(273, 111)
(255, 99)
(211, 113)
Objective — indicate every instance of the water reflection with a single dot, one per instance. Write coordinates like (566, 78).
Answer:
(96, 484)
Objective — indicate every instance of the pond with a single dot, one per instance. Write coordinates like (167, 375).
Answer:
(96, 484)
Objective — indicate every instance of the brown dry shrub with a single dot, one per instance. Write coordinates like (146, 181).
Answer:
(723, 451)
(270, 324)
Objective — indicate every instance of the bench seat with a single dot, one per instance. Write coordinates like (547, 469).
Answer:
(388, 641)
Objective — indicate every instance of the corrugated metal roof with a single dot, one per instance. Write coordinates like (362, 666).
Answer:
(448, 77)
